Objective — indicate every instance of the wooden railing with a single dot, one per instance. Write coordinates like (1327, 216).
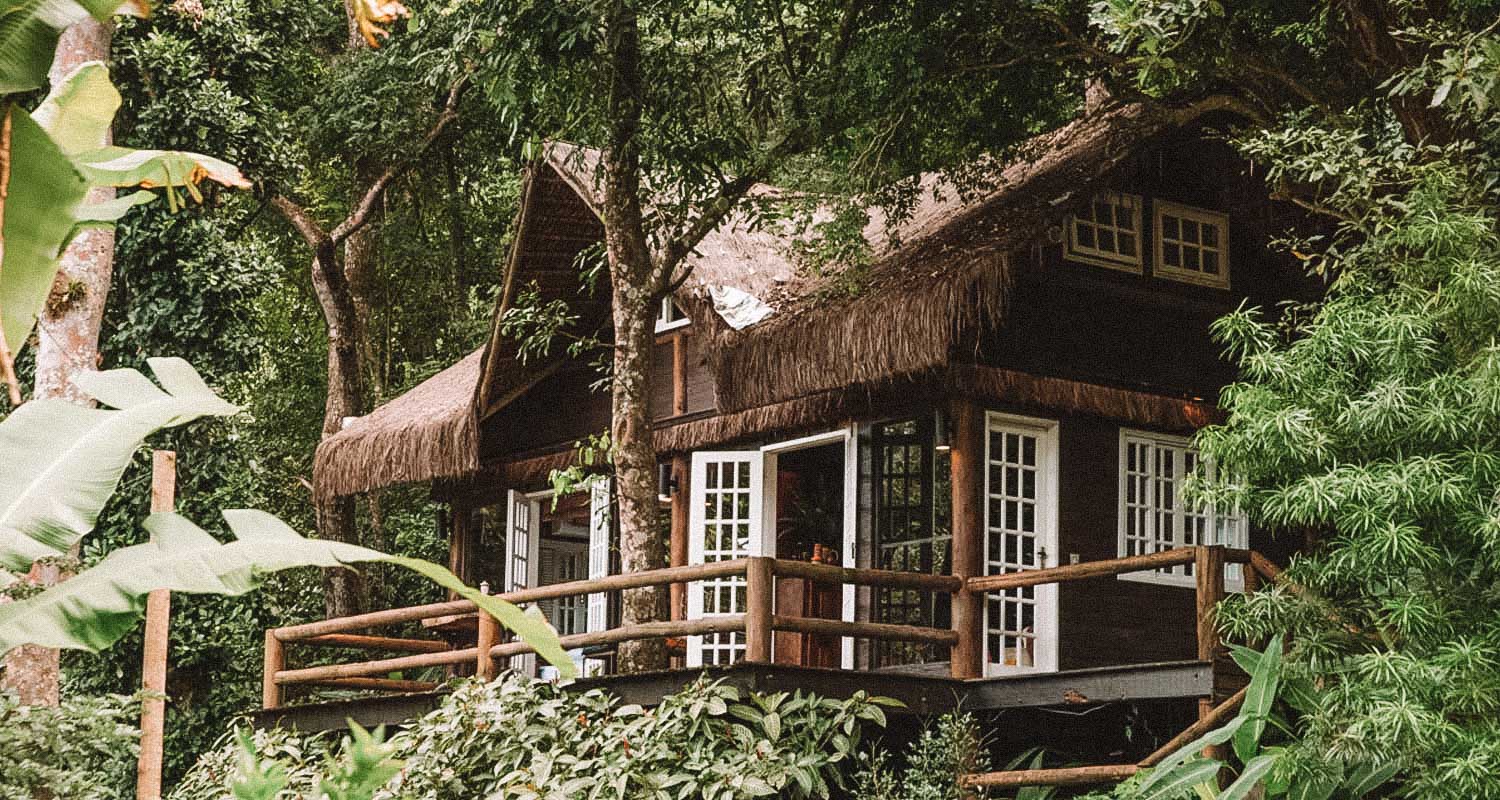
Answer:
(758, 623)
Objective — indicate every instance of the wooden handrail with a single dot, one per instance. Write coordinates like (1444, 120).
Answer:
(1065, 776)
(365, 669)
(884, 578)
(647, 630)
(1087, 569)
(373, 619)
(865, 630)
(376, 643)
(634, 580)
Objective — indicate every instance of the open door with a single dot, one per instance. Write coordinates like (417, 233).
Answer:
(522, 555)
(725, 523)
(1020, 625)
(599, 538)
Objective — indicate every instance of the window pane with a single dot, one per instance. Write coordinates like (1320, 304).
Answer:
(1171, 255)
(1169, 227)
(1190, 258)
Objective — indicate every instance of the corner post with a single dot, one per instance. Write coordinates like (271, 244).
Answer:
(488, 637)
(678, 541)
(1208, 570)
(275, 661)
(966, 656)
(759, 594)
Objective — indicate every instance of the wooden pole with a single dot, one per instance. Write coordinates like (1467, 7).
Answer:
(759, 591)
(1065, 776)
(679, 535)
(1208, 569)
(275, 661)
(966, 656)
(154, 651)
(489, 636)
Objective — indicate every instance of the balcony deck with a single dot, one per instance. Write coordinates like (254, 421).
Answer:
(922, 694)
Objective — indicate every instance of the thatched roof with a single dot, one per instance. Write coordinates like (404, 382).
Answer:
(427, 433)
(938, 276)
(818, 352)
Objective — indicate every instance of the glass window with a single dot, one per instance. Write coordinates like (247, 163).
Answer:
(669, 316)
(1153, 514)
(1107, 232)
(1192, 245)
(913, 533)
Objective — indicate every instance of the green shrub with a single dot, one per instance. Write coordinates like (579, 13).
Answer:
(945, 750)
(521, 739)
(83, 749)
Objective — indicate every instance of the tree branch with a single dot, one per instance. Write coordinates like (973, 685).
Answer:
(361, 212)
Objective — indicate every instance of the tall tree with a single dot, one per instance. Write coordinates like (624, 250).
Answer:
(67, 344)
(693, 105)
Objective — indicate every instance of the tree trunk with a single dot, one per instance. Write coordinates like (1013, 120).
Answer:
(361, 252)
(68, 344)
(635, 286)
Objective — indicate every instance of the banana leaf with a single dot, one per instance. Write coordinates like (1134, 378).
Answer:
(37, 205)
(94, 609)
(63, 461)
(29, 30)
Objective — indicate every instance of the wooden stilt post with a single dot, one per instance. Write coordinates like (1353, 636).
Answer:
(154, 656)
(275, 661)
(489, 636)
(1208, 570)
(759, 592)
(966, 657)
(679, 536)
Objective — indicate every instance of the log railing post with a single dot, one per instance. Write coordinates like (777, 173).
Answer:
(760, 590)
(275, 661)
(965, 657)
(488, 637)
(1208, 570)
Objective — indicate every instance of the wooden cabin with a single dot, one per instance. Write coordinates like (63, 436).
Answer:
(958, 463)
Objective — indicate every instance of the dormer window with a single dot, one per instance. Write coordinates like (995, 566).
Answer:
(670, 316)
(1108, 232)
(1192, 245)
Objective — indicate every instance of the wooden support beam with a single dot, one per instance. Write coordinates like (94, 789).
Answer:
(760, 595)
(1208, 570)
(154, 649)
(966, 656)
(679, 374)
(1066, 776)
(1088, 569)
(865, 630)
(678, 538)
(1216, 716)
(391, 644)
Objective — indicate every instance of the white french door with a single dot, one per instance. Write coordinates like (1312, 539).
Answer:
(724, 524)
(523, 538)
(1020, 522)
(599, 530)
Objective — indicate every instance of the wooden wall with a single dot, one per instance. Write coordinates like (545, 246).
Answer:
(1086, 322)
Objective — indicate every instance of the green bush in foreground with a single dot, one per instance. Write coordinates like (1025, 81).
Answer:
(83, 749)
(524, 739)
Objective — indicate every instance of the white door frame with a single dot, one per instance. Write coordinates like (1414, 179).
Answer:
(697, 524)
(849, 439)
(1046, 433)
(533, 500)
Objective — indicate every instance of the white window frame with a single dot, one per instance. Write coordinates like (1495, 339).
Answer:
(1177, 575)
(664, 313)
(1203, 217)
(1072, 251)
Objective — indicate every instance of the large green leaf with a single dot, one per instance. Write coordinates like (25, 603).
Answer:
(150, 169)
(94, 609)
(63, 461)
(1180, 779)
(1168, 766)
(39, 202)
(1260, 695)
(29, 31)
(79, 110)
(1256, 770)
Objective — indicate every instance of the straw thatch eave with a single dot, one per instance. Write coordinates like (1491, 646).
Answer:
(948, 277)
(428, 433)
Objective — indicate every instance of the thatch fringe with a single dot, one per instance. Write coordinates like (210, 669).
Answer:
(879, 335)
(428, 433)
(1147, 409)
